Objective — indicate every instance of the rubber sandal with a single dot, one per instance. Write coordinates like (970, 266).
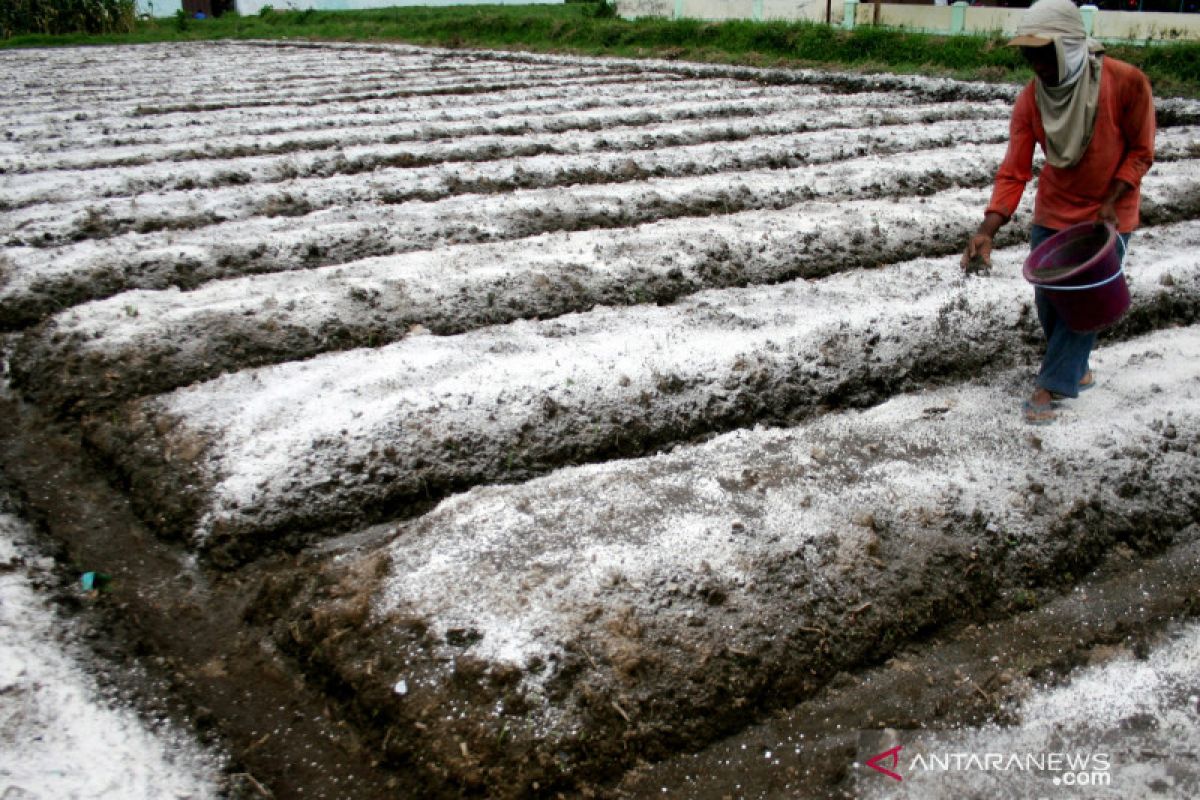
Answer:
(1083, 387)
(1038, 413)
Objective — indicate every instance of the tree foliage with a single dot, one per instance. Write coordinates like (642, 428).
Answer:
(66, 16)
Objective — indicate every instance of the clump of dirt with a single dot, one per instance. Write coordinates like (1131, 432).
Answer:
(96, 224)
(186, 222)
(286, 205)
(165, 483)
(1176, 207)
(101, 223)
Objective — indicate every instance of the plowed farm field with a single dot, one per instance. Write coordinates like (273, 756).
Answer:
(455, 423)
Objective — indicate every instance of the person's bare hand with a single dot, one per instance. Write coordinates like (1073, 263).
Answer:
(1108, 213)
(1108, 209)
(979, 251)
(978, 256)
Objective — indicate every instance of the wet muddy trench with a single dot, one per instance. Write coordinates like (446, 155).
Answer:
(453, 424)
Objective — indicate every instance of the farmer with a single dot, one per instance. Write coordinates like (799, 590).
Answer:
(1093, 117)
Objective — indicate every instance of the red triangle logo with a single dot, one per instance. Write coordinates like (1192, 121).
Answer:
(894, 756)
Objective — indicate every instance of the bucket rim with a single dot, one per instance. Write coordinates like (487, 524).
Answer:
(1061, 238)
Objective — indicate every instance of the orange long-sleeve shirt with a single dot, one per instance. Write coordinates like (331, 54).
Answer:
(1122, 148)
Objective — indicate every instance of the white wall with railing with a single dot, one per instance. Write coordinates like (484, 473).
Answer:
(957, 18)
(159, 8)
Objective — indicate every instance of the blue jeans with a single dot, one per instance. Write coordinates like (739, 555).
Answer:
(1067, 352)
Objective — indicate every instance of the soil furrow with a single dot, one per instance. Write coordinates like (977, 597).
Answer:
(488, 165)
(1171, 111)
(450, 90)
(179, 634)
(357, 436)
(95, 158)
(309, 82)
(98, 130)
(580, 623)
(480, 166)
(420, 143)
(971, 679)
(44, 280)
(141, 343)
(78, 129)
(941, 89)
(298, 83)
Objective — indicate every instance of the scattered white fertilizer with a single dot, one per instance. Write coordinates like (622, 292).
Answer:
(60, 736)
(278, 433)
(1127, 728)
(524, 565)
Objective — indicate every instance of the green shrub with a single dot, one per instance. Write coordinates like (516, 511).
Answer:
(604, 10)
(66, 16)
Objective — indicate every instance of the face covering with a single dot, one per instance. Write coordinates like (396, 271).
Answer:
(1069, 109)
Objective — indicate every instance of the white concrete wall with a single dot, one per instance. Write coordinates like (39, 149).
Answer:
(1112, 25)
(1149, 25)
(931, 17)
(632, 9)
(813, 10)
(1105, 24)
(720, 9)
(159, 8)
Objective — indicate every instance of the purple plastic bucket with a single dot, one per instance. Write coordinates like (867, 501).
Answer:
(1080, 270)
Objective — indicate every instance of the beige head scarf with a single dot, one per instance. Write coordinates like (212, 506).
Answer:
(1069, 109)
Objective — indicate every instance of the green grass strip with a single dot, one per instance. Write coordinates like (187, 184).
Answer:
(588, 28)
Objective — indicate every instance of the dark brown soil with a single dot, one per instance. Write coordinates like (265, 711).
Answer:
(642, 685)
(185, 627)
(968, 674)
(256, 659)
